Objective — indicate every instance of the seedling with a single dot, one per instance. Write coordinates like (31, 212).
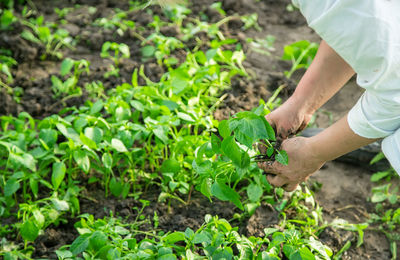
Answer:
(222, 163)
(42, 35)
(301, 54)
(69, 87)
(121, 51)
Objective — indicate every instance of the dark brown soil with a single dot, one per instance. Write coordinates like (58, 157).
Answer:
(345, 187)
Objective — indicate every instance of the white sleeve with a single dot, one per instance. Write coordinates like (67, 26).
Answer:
(366, 34)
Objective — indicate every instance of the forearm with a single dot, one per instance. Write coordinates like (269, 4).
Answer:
(335, 141)
(325, 76)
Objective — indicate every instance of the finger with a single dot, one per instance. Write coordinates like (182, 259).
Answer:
(277, 180)
(269, 167)
(302, 127)
(290, 187)
(261, 147)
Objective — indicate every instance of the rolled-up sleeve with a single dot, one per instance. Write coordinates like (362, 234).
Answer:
(366, 34)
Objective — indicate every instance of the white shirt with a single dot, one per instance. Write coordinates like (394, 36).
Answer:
(366, 34)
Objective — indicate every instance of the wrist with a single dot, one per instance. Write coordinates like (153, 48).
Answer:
(302, 104)
(311, 148)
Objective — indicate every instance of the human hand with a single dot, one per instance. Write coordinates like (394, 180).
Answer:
(302, 163)
(289, 119)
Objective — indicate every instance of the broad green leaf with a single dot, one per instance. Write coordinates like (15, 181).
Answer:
(118, 145)
(161, 134)
(148, 51)
(379, 175)
(282, 157)
(215, 143)
(98, 239)
(174, 237)
(49, 136)
(231, 150)
(205, 187)
(254, 192)
(82, 160)
(185, 117)
(24, 159)
(201, 238)
(248, 128)
(223, 129)
(225, 193)
(66, 66)
(87, 141)
(96, 107)
(69, 133)
(29, 231)
(170, 166)
(137, 105)
(94, 133)
(378, 197)
(107, 160)
(59, 170)
(80, 123)
(122, 113)
(80, 244)
(60, 205)
(40, 219)
(12, 185)
(302, 254)
(116, 187)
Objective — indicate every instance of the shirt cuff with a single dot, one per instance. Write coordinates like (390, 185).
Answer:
(391, 149)
(367, 118)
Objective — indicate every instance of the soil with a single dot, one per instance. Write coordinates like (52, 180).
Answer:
(345, 188)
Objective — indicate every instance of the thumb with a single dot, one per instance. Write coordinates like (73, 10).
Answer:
(269, 167)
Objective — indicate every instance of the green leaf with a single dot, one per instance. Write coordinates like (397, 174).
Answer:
(66, 66)
(223, 129)
(185, 117)
(59, 170)
(170, 166)
(302, 254)
(80, 244)
(201, 238)
(118, 145)
(29, 231)
(205, 187)
(107, 160)
(380, 175)
(96, 107)
(378, 197)
(98, 239)
(94, 133)
(225, 193)
(87, 141)
(49, 136)
(231, 150)
(12, 185)
(116, 187)
(215, 143)
(137, 105)
(60, 205)
(254, 192)
(248, 128)
(148, 51)
(282, 158)
(81, 158)
(174, 237)
(161, 134)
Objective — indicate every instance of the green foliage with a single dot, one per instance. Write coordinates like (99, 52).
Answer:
(42, 34)
(301, 54)
(215, 239)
